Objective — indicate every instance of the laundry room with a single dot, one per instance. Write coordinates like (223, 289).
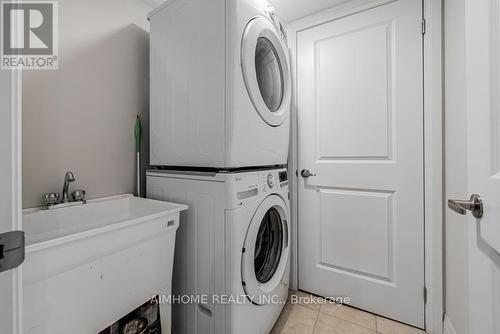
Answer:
(250, 167)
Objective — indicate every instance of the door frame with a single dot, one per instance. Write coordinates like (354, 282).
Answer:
(14, 103)
(433, 145)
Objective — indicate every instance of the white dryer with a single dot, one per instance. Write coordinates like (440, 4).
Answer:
(232, 249)
(220, 85)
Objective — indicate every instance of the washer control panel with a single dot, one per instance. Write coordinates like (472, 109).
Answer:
(270, 180)
(283, 177)
(247, 185)
(273, 180)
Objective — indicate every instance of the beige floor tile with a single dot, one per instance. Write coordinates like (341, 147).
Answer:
(306, 299)
(387, 326)
(330, 325)
(282, 320)
(299, 320)
(356, 316)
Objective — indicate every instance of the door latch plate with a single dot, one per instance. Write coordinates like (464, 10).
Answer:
(12, 250)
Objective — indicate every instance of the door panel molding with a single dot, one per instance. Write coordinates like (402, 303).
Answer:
(334, 253)
(380, 118)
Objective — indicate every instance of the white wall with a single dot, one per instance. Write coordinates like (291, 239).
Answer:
(81, 117)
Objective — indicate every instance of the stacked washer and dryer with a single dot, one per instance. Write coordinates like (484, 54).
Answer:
(219, 136)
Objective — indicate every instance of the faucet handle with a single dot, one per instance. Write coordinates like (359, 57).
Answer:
(78, 195)
(50, 199)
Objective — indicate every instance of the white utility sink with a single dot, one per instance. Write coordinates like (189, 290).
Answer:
(89, 265)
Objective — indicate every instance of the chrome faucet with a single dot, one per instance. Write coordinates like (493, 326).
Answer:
(69, 177)
(53, 200)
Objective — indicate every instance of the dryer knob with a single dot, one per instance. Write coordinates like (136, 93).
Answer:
(270, 180)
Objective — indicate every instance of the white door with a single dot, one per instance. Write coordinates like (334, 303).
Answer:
(9, 207)
(360, 133)
(482, 77)
(266, 71)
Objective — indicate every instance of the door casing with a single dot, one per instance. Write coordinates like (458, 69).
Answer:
(12, 103)
(433, 145)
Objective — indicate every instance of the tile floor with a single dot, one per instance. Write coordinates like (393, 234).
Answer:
(323, 318)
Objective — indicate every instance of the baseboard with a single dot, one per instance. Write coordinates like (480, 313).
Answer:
(448, 326)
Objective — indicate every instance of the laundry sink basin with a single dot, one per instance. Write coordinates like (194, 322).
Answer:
(88, 265)
(46, 228)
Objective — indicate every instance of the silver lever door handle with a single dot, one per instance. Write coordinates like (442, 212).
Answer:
(306, 173)
(474, 205)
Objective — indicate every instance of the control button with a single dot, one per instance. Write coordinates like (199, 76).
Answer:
(270, 180)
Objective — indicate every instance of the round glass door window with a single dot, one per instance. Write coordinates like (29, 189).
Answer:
(268, 246)
(264, 64)
(269, 74)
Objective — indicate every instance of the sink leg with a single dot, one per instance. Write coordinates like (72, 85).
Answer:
(165, 315)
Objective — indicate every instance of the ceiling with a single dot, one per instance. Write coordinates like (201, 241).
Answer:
(287, 10)
(153, 3)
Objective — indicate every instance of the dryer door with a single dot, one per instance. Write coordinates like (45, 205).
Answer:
(266, 251)
(266, 71)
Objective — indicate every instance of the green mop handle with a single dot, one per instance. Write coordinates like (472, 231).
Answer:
(138, 135)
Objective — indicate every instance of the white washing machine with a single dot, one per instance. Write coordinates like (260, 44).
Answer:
(220, 85)
(232, 249)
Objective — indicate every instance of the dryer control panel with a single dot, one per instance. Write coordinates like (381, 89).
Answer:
(245, 187)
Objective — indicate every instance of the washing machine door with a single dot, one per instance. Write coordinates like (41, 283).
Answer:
(266, 71)
(265, 253)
